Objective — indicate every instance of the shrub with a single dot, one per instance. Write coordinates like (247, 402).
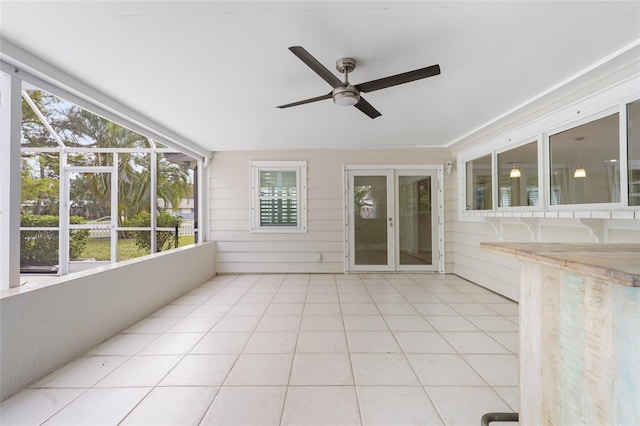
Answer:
(40, 248)
(164, 239)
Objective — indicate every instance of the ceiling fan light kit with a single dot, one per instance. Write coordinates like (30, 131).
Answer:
(347, 94)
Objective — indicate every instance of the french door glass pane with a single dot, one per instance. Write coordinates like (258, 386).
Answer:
(414, 221)
(370, 220)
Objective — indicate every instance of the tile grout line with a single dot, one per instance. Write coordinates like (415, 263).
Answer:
(346, 338)
(293, 358)
(179, 361)
(217, 393)
(401, 287)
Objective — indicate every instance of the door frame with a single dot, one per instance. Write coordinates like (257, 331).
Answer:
(66, 227)
(390, 266)
(437, 223)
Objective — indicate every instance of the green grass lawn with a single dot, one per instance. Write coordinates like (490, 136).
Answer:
(100, 248)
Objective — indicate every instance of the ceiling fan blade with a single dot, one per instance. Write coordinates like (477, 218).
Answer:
(316, 66)
(367, 108)
(306, 101)
(394, 80)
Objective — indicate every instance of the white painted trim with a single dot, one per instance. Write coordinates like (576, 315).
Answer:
(41, 149)
(604, 102)
(65, 202)
(535, 138)
(441, 241)
(392, 166)
(624, 151)
(10, 133)
(153, 200)
(300, 167)
(35, 71)
(105, 150)
(114, 207)
(63, 214)
(90, 169)
(437, 224)
(201, 201)
(572, 78)
(389, 175)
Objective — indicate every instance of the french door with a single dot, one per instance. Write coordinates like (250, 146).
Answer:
(393, 219)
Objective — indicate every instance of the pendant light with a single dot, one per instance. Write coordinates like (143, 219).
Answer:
(515, 172)
(580, 171)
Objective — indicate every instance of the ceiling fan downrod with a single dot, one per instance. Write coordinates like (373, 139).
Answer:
(346, 95)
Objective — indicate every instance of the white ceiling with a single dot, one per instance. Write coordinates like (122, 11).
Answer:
(213, 72)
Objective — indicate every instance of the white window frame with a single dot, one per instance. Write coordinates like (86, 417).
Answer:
(605, 102)
(300, 168)
(540, 168)
(619, 109)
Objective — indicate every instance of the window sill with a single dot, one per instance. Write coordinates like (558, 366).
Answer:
(562, 214)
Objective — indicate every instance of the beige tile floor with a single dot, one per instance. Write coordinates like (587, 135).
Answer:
(368, 349)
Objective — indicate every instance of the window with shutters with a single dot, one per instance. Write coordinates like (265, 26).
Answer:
(278, 196)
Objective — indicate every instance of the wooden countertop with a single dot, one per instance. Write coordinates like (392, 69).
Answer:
(617, 263)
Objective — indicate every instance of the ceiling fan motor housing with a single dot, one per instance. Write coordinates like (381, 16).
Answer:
(346, 95)
(345, 65)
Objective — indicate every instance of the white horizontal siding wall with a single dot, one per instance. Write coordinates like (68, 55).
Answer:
(501, 273)
(495, 272)
(322, 248)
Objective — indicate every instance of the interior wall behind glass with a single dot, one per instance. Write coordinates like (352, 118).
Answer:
(479, 186)
(593, 147)
(518, 176)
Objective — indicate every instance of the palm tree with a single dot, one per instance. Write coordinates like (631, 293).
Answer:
(173, 182)
(80, 128)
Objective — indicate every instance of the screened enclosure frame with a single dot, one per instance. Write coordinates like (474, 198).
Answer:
(157, 148)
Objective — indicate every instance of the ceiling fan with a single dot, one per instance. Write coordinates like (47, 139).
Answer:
(347, 94)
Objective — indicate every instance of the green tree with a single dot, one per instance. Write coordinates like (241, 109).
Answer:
(164, 239)
(91, 192)
(173, 182)
(39, 192)
(34, 132)
(40, 172)
(40, 248)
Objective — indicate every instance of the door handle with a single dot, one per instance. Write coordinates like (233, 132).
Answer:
(390, 221)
